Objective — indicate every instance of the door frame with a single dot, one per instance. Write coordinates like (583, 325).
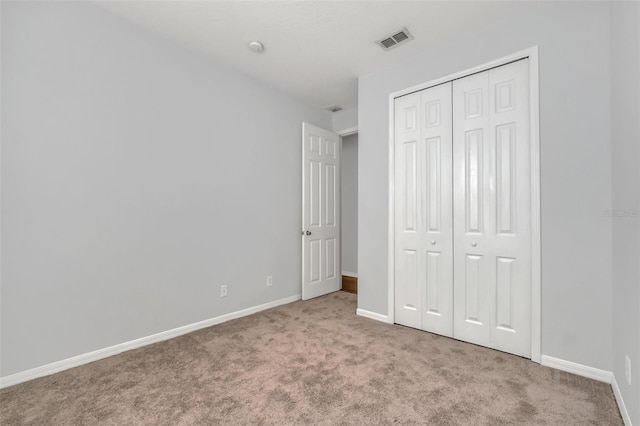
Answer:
(347, 132)
(534, 111)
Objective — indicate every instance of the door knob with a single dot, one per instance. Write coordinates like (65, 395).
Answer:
(473, 244)
(308, 232)
(433, 242)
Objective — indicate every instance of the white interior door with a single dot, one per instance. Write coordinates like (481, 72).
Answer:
(320, 212)
(492, 205)
(423, 210)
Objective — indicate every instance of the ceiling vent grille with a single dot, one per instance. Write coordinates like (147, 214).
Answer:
(333, 108)
(398, 37)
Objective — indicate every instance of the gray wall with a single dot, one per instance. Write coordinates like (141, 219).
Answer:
(625, 130)
(576, 166)
(349, 177)
(137, 177)
(345, 119)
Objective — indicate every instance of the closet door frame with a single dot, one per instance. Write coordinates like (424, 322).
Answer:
(532, 54)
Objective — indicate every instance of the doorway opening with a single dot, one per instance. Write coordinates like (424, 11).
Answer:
(349, 212)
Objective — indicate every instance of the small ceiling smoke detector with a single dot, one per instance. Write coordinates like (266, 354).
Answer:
(256, 46)
(333, 108)
(397, 37)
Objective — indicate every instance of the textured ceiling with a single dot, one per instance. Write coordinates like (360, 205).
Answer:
(314, 50)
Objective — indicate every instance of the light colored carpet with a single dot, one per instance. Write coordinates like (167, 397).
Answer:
(311, 362)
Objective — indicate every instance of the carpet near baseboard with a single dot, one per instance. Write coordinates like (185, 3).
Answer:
(311, 362)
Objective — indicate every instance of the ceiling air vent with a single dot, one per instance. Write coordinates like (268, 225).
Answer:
(398, 37)
(333, 108)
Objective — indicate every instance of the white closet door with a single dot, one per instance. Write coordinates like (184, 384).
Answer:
(423, 210)
(492, 205)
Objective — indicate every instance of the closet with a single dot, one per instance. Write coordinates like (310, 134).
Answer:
(462, 209)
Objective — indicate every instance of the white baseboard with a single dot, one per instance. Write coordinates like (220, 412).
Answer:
(350, 274)
(623, 408)
(372, 315)
(86, 358)
(577, 369)
(592, 373)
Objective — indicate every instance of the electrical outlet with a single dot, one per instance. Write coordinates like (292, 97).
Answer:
(627, 369)
(269, 281)
(223, 291)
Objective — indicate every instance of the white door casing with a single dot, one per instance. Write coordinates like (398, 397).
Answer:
(423, 210)
(492, 205)
(320, 212)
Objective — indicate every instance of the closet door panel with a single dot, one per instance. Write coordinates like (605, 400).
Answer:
(437, 215)
(409, 265)
(423, 211)
(511, 207)
(471, 167)
(492, 193)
